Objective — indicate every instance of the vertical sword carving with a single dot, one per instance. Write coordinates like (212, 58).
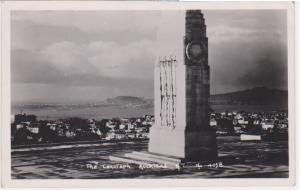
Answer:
(167, 91)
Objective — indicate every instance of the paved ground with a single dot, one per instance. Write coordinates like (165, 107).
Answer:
(239, 159)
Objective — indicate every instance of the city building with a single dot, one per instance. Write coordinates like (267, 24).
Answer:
(268, 124)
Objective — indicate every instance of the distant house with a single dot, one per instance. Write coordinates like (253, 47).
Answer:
(234, 122)
(282, 125)
(238, 116)
(22, 125)
(120, 136)
(96, 131)
(110, 136)
(243, 121)
(268, 124)
(145, 135)
(256, 122)
(131, 135)
(70, 134)
(122, 126)
(131, 126)
(147, 122)
(92, 123)
(33, 128)
(19, 126)
(213, 122)
(110, 125)
(67, 126)
(60, 131)
(147, 117)
(52, 126)
(139, 130)
(238, 130)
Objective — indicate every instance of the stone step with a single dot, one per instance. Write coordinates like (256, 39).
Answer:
(169, 164)
(158, 156)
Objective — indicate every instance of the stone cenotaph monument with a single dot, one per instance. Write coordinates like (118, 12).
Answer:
(182, 93)
(181, 132)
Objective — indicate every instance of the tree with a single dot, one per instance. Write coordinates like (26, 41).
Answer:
(78, 123)
(102, 126)
(20, 136)
(47, 134)
(227, 125)
(117, 121)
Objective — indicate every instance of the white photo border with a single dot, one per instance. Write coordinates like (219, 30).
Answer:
(8, 6)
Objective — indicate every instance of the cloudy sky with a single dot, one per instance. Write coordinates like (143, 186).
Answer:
(71, 56)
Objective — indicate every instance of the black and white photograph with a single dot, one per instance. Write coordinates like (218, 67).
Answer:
(189, 93)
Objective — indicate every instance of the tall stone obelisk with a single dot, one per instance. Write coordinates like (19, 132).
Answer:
(182, 89)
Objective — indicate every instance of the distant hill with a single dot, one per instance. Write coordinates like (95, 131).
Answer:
(130, 101)
(125, 100)
(254, 96)
(260, 98)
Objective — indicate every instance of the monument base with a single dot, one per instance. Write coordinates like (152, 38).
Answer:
(189, 146)
(174, 148)
(151, 159)
(147, 158)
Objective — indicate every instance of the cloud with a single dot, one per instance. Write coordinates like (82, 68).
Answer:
(95, 59)
(37, 29)
(119, 61)
(82, 55)
(87, 55)
(88, 21)
(104, 68)
(247, 49)
(71, 52)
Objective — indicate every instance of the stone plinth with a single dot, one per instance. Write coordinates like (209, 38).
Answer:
(187, 145)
